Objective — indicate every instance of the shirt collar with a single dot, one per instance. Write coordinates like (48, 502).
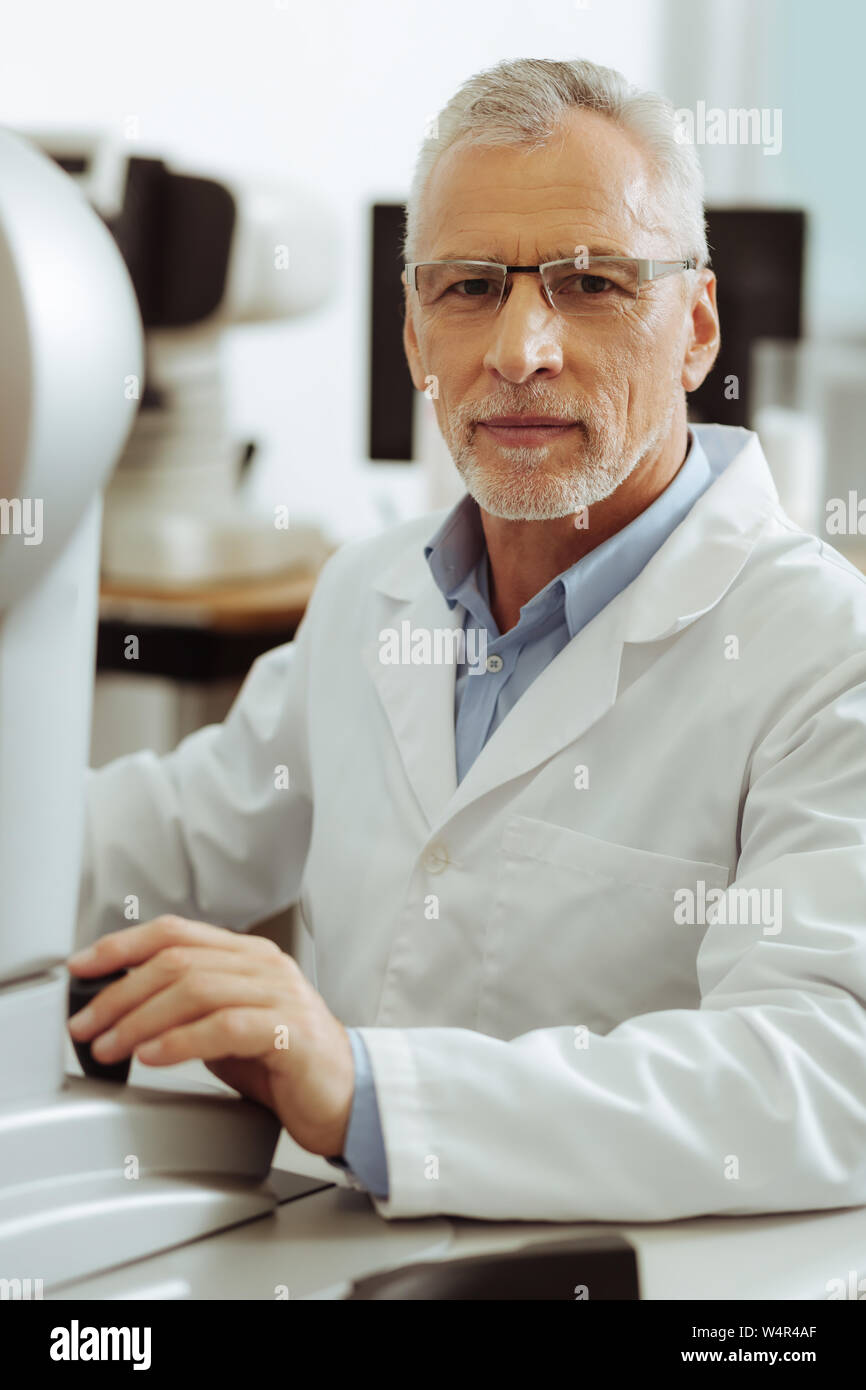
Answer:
(456, 548)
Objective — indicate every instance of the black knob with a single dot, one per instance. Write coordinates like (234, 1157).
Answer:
(81, 991)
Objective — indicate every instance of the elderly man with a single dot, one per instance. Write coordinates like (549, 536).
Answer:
(587, 891)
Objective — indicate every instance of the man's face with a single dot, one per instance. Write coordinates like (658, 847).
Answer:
(616, 379)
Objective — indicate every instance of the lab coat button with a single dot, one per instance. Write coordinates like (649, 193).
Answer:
(436, 859)
(495, 663)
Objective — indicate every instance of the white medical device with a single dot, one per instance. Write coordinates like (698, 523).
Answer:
(92, 1174)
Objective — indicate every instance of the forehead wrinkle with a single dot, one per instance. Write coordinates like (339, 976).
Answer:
(573, 226)
(554, 246)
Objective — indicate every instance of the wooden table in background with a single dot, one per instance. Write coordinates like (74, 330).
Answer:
(199, 635)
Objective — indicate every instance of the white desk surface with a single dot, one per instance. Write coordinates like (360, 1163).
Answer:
(314, 1245)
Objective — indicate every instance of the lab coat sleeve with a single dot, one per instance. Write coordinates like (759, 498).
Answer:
(753, 1102)
(217, 830)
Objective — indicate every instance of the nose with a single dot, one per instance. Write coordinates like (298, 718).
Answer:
(525, 332)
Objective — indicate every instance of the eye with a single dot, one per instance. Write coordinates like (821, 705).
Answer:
(589, 285)
(594, 284)
(473, 288)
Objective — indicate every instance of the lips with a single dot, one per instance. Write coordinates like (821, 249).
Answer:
(533, 430)
(528, 422)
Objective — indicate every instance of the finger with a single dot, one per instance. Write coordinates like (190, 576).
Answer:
(132, 945)
(192, 998)
(155, 975)
(232, 1032)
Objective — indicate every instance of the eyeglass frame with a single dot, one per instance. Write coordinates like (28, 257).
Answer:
(648, 270)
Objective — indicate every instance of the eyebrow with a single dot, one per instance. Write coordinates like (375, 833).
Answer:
(497, 257)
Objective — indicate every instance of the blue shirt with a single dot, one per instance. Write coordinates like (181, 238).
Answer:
(457, 556)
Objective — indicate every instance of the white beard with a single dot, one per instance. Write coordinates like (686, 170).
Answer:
(522, 485)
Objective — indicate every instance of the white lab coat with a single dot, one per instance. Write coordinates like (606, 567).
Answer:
(547, 1040)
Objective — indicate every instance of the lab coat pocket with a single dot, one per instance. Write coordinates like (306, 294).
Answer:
(583, 931)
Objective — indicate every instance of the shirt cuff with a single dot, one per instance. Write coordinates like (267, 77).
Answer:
(364, 1156)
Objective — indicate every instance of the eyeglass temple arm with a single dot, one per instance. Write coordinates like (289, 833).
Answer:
(656, 270)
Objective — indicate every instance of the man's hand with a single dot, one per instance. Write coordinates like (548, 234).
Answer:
(237, 1002)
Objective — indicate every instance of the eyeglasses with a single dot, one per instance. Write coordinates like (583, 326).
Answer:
(595, 286)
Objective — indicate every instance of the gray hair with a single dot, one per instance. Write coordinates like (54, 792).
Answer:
(525, 101)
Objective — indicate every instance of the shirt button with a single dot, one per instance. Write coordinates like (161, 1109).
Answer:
(495, 663)
(436, 859)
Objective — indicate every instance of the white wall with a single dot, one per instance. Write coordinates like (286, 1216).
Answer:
(333, 93)
(805, 60)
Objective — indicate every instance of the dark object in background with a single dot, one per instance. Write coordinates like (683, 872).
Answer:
(391, 390)
(757, 254)
(81, 991)
(174, 232)
(605, 1265)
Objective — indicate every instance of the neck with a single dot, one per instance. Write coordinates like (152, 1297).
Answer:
(525, 555)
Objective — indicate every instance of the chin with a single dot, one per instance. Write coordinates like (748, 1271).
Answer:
(518, 513)
(525, 504)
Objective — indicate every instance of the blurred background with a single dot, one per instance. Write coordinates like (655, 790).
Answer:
(252, 158)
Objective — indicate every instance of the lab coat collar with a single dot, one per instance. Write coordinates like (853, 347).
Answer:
(702, 557)
(684, 579)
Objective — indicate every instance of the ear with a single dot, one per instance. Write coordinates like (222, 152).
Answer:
(704, 337)
(410, 344)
